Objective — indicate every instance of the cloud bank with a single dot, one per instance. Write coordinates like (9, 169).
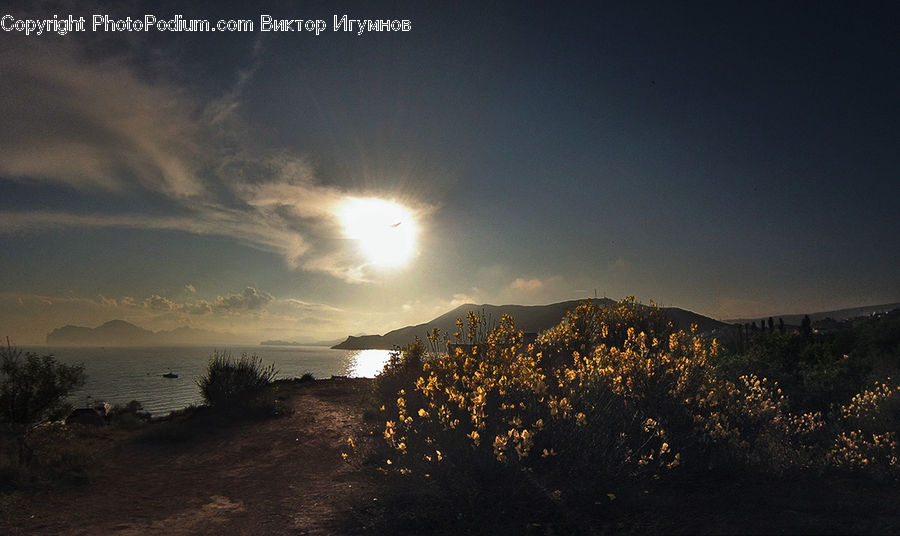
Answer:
(244, 314)
(106, 126)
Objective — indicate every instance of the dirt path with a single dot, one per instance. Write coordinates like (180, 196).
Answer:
(279, 476)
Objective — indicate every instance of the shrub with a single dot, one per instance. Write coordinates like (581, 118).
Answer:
(234, 383)
(57, 454)
(865, 432)
(131, 415)
(403, 367)
(818, 370)
(606, 398)
(307, 377)
(588, 326)
(34, 388)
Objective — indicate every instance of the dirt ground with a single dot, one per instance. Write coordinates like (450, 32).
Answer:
(282, 475)
(285, 475)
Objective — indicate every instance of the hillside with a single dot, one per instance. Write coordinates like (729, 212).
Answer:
(529, 318)
(838, 314)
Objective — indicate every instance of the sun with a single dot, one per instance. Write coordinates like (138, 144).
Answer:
(386, 230)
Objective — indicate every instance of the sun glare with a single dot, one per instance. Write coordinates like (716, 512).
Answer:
(386, 230)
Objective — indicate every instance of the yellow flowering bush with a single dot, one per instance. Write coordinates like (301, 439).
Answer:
(503, 400)
(608, 393)
(484, 399)
(867, 432)
(588, 326)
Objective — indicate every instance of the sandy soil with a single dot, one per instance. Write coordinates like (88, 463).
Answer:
(278, 476)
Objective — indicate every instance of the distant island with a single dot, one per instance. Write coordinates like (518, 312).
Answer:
(529, 318)
(281, 343)
(122, 333)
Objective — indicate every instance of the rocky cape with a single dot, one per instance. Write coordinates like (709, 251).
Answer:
(528, 318)
(122, 333)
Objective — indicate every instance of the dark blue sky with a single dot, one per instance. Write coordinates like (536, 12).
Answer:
(733, 158)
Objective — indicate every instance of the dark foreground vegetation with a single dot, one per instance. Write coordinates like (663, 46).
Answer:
(615, 421)
(38, 448)
(611, 422)
(33, 389)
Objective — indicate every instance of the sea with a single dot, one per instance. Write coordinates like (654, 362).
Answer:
(120, 374)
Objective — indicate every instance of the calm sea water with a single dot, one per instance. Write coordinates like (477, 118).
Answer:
(121, 374)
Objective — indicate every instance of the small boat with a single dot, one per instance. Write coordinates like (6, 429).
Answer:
(170, 375)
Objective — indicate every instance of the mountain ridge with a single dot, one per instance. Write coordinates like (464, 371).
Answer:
(123, 333)
(836, 314)
(528, 318)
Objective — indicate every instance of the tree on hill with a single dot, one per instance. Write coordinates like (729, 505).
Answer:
(806, 328)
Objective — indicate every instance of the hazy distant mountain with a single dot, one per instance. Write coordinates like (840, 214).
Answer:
(279, 342)
(116, 332)
(529, 318)
(189, 335)
(838, 314)
(122, 333)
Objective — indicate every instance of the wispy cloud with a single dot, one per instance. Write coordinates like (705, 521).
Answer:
(94, 124)
(309, 306)
(248, 299)
(258, 232)
(532, 290)
(104, 126)
(528, 285)
(159, 303)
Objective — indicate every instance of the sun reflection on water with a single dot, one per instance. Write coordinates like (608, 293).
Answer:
(367, 363)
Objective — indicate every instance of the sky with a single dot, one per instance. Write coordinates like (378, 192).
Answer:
(738, 159)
